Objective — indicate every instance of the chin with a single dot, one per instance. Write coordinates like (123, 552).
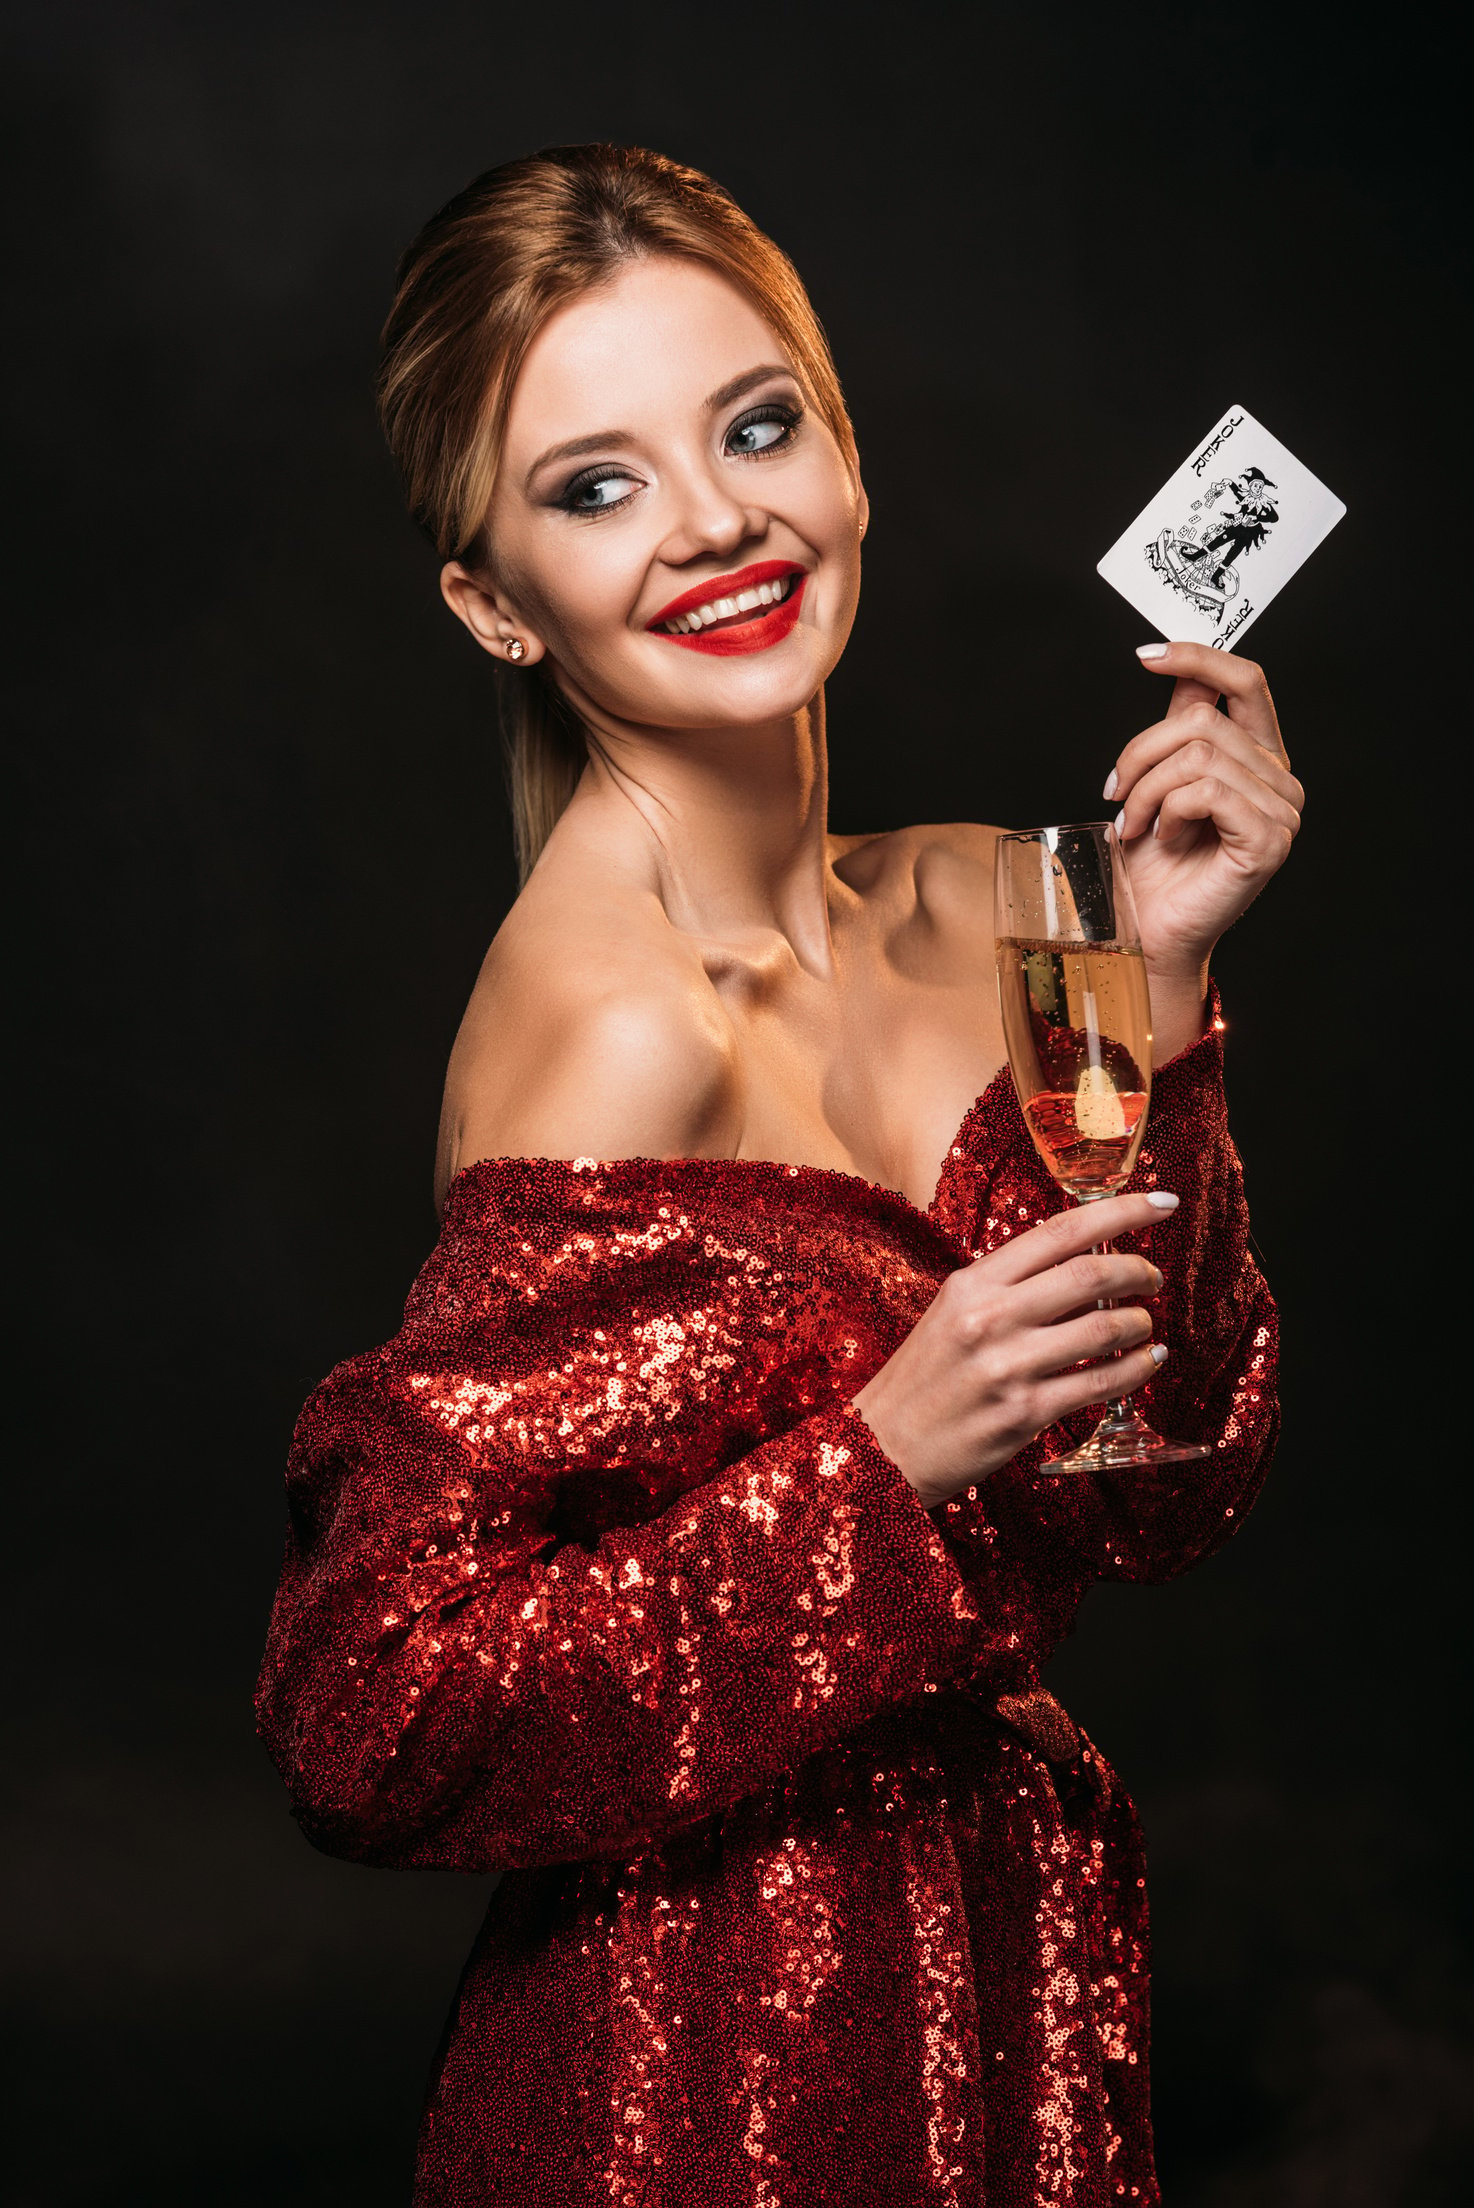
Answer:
(731, 693)
(711, 692)
(749, 688)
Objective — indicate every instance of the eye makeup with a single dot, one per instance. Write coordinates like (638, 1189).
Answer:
(578, 496)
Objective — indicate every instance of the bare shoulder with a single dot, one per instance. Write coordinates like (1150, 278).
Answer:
(945, 867)
(594, 1035)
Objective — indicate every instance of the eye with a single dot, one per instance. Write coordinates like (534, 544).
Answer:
(598, 490)
(763, 429)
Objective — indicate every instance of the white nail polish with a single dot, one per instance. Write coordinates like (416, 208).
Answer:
(1110, 785)
(1159, 1353)
(1163, 1199)
(1152, 651)
(1120, 820)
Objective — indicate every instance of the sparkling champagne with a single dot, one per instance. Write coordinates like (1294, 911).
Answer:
(1078, 1021)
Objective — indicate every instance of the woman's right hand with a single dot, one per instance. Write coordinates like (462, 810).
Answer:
(991, 1361)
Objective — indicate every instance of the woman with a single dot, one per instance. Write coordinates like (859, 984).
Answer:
(685, 1555)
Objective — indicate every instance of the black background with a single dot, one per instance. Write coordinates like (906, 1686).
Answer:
(263, 846)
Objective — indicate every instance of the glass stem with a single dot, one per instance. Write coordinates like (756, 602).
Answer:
(1118, 1407)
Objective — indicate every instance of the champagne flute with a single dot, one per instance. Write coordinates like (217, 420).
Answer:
(1077, 1018)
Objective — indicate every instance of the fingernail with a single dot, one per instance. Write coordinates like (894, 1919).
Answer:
(1163, 1199)
(1120, 820)
(1161, 1277)
(1110, 784)
(1159, 1353)
(1152, 651)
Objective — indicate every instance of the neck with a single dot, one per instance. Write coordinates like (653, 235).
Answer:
(727, 825)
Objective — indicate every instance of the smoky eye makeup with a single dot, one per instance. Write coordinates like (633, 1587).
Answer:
(759, 430)
(582, 494)
(768, 427)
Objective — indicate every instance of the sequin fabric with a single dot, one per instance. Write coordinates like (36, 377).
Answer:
(594, 1578)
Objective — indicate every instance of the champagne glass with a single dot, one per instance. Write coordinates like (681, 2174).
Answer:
(1077, 1017)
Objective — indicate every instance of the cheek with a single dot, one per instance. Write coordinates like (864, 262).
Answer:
(836, 537)
(576, 588)
(826, 511)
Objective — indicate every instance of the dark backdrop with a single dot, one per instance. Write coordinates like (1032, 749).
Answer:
(264, 846)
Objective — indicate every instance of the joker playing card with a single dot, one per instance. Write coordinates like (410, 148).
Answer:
(1227, 532)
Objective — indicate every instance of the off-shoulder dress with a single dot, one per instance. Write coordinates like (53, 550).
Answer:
(594, 1578)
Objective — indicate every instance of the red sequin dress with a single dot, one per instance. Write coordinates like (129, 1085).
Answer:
(592, 1577)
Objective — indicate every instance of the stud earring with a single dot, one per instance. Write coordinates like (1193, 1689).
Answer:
(516, 649)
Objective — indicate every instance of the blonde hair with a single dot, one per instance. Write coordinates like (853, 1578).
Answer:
(471, 293)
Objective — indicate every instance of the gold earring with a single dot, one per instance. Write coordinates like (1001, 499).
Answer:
(516, 649)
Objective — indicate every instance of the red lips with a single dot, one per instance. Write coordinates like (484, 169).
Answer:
(749, 633)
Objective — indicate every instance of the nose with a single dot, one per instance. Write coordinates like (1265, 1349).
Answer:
(707, 517)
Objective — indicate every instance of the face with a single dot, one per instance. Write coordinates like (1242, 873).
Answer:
(673, 524)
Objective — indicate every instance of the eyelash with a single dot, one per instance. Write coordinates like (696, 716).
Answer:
(774, 410)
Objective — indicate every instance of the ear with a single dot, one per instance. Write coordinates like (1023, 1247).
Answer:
(862, 504)
(489, 614)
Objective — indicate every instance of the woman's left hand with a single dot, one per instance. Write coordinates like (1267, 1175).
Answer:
(1210, 807)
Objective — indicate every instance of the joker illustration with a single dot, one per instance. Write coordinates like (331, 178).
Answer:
(1248, 525)
(1205, 572)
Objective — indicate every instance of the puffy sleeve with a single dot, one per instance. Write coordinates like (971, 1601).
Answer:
(1215, 1314)
(447, 1684)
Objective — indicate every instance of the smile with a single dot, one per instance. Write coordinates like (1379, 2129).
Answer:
(745, 612)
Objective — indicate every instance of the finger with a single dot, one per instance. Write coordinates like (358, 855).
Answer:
(1080, 1284)
(1202, 676)
(1070, 1233)
(1075, 1391)
(1259, 844)
(1201, 761)
(1054, 1349)
(1204, 725)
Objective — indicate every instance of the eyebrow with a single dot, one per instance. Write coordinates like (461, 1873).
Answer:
(575, 447)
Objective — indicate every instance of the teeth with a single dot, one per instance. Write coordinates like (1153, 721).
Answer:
(722, 609)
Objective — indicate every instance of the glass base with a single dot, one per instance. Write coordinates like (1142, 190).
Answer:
(1122, 1440)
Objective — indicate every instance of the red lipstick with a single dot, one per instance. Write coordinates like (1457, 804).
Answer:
(753, 631)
